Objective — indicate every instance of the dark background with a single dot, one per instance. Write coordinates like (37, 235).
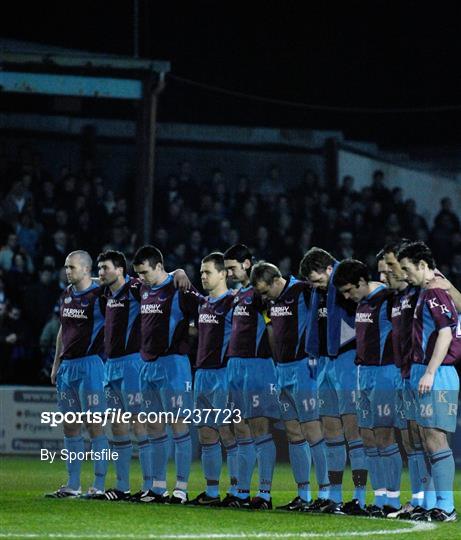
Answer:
(383, 55)
(284, 64)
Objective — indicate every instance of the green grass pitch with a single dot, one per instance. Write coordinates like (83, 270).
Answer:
(25, 513)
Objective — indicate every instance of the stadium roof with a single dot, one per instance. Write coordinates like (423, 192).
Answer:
(33, 68)
(18, 52)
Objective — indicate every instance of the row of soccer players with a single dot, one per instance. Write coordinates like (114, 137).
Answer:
(151, 316)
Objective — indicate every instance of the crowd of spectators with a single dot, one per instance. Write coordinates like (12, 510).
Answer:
(280, 223)
(43, 218)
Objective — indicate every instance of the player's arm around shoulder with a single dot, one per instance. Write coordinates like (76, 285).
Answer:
(190, 300)
(181, 279)
(135, 288)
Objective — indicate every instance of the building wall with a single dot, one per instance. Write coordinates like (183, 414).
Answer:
(427, 189)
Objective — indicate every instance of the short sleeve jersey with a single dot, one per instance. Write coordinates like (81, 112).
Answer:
(249, 337)
(214, 331)
(289, 314)
(82, 322)
(122, 333)
(373, 328)
(165, 316)
(434, 311)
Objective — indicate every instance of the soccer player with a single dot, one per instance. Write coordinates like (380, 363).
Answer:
(331, 338)
(211, 389)
(78, 370)
(423, 494)
(252, 381)
(166, 379)
(433, 378)
(122, 341)
(403, 307)
(377, 381)
(289, 300)
(122, 369)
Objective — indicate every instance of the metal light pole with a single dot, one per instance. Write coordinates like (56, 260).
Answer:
(136, 28)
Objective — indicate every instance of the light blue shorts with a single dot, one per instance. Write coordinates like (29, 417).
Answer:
(376, 398)
(438, 408)
(80, 385)
(409, 400)
(253, 387)
(122, 385)
(298, 390)
(166, 385)
(401, 421)
(211, 392)
(337, 384)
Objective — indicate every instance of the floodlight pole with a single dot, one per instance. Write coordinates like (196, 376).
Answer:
(136, 28)
(81, 75)
(152, 87)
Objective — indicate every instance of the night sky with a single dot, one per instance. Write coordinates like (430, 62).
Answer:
(362, 54)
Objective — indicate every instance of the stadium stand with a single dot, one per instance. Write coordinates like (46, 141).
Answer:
(44, 217)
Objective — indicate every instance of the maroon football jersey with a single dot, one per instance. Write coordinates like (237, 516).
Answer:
(82, 322)
(289, 314)
(373, 328)
(249, 332)
(214, 331)
(165, 316)
(122, 331)
(434, 311)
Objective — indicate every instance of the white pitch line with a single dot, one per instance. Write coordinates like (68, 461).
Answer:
(415, 527)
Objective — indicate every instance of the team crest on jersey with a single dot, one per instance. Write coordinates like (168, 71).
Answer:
(67, 300)
(145, 295)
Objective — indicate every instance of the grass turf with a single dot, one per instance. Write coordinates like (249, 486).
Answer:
(25, 513)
